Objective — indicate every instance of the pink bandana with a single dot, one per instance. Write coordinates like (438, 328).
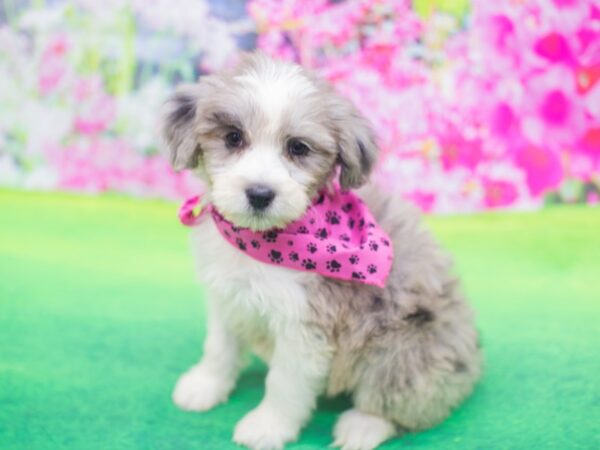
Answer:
(337, 237)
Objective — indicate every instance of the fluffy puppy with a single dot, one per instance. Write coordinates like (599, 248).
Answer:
(407, 353)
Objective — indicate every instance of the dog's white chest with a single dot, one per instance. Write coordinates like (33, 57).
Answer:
(247, 286)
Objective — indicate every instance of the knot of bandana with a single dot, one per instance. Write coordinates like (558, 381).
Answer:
(337, 237)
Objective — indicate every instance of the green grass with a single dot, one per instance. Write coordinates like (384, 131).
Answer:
(99, 314)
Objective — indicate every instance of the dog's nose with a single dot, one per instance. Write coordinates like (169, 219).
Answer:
(260, 196)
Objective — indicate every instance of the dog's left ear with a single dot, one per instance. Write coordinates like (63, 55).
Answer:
(357, 149)
(178, 128)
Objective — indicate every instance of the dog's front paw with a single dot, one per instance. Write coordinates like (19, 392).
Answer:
(356, 430)
(264, 429)
(200, 390)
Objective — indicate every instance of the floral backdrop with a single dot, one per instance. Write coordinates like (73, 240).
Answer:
(477, 105)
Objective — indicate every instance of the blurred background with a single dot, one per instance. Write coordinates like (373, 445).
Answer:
(477, 104)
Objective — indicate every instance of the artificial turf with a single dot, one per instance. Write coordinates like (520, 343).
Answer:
(100, 313)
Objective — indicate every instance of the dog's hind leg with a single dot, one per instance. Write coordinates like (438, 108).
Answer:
(357, 430)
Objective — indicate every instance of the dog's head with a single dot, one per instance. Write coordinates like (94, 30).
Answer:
(266, 138)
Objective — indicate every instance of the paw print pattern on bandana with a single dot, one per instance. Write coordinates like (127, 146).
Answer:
(309, 264)
(332, 218)
(333, 266)
(270, 236)
(338, 237)
(240, 243)
(275, 256)
(321, 234)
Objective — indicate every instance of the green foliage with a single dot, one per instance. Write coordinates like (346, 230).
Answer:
(457, 8)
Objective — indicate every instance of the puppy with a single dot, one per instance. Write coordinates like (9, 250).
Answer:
(268, 139)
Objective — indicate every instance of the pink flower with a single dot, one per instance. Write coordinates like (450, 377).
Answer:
(53, 65)
(379, 56)
(543, 168)
(553, 114)
(590, 144)
(555, 107)
(98, 165)
(587, 77)
(502, 32)
(498, 193)
(96, 110)
(565, 3)
(464, 153)
(554, 47)
(503, 120)
(424, 200)
(458, 150)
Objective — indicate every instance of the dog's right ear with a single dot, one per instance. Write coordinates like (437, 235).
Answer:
(180, 142)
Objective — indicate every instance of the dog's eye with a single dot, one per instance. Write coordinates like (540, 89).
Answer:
(234, 139)
(297, 148)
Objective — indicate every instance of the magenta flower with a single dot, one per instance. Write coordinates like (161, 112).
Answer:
(554, 47)
(543, 168)
(590, 144)
(503, 120)
(424, 200)
(587, 77)
(501, 32)
(555, 107)
(498, 193)
(553, 115)
(457, 150)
